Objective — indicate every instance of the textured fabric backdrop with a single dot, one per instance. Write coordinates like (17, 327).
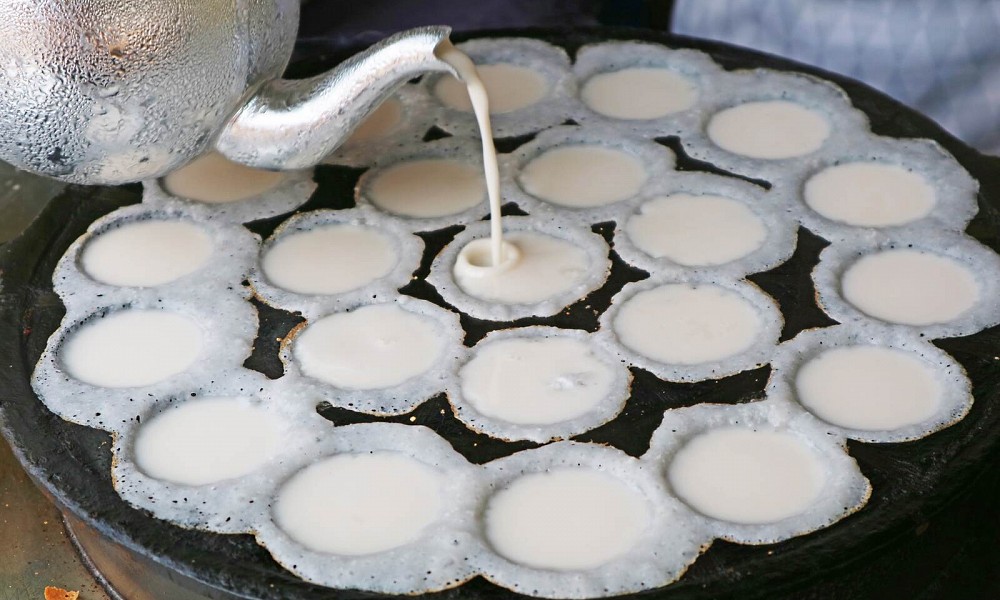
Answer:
(941, 57)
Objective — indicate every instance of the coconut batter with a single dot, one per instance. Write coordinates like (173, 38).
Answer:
(910, 287)
(372, 347)
(358, 504)
(214, 179)
(745, 476)
(147, 253)
(870, 194)
(869, 387)
(132, 348)
(565, 519)
(329, 260)
(695, 230)
(206, 441)
(639, 93)
(583, 176)
(687, 324)
(532, 381)
(770, 130)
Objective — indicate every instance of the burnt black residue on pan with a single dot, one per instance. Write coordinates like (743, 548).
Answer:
(913, 481)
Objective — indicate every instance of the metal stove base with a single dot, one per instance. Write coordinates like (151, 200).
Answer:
(126, 575)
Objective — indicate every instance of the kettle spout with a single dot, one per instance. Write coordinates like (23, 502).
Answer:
(292, 124)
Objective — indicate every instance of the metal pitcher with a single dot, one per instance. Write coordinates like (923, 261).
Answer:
(112, 91)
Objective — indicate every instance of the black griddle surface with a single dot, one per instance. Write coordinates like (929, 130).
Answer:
(913, 482)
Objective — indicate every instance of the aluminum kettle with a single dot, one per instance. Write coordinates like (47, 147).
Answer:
(113, 91)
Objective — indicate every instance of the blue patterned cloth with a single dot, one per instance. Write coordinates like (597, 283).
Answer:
(941, 57)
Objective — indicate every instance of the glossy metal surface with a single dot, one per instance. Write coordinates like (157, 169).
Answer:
(295, 124)
(107, 91)
(125, 575)
(112, 91)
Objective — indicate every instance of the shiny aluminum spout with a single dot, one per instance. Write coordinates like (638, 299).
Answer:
(292, 124)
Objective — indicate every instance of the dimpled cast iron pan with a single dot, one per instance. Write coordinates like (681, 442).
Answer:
(859, 557)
